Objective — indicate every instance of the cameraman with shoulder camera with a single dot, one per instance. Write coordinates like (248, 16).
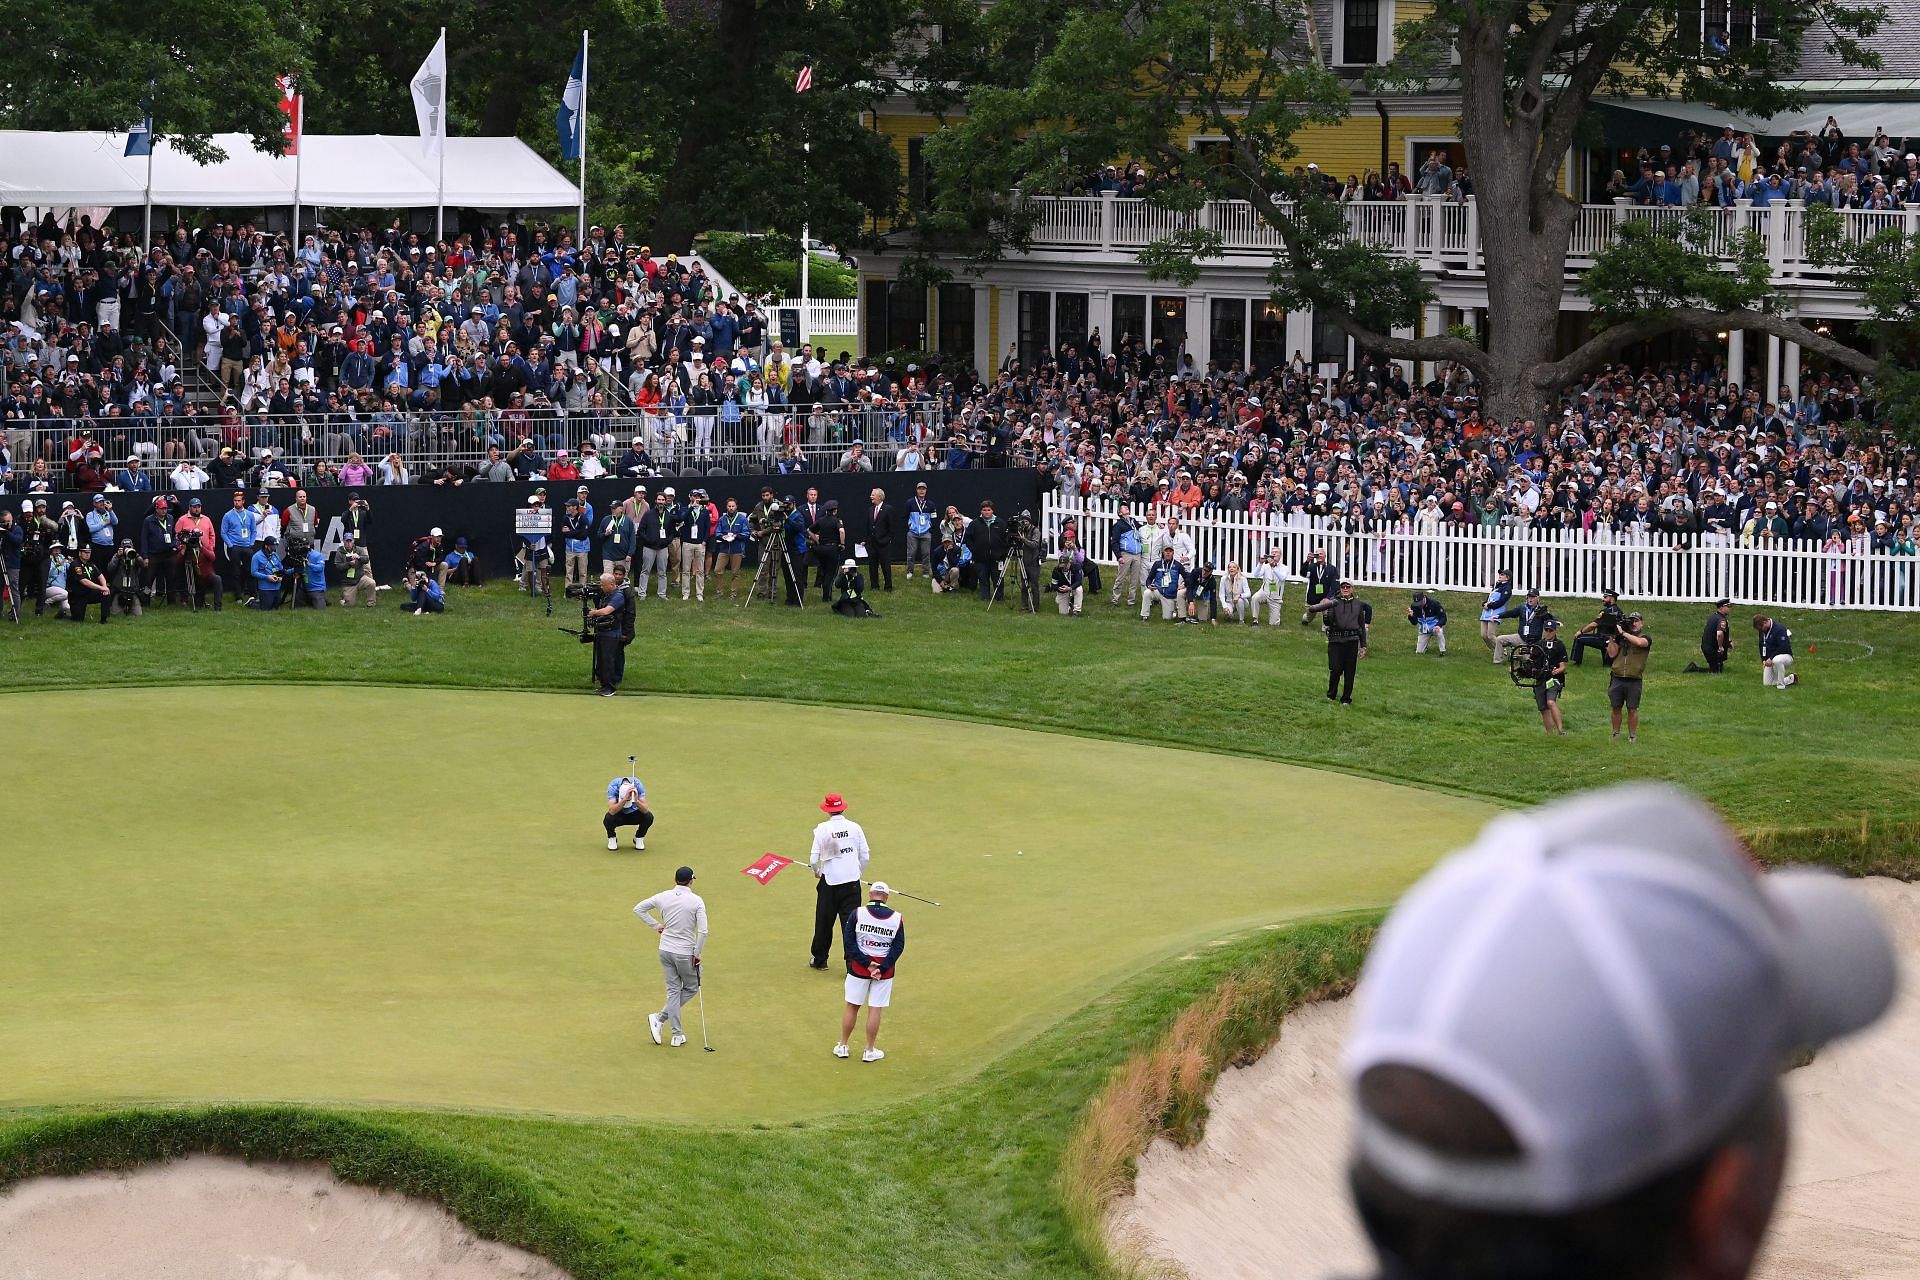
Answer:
(604, 621)
(1627, 651)
(1598, 633)
(1553, 664)
(124, 578)
(198, 570)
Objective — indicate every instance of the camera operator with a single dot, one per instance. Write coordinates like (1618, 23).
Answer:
(124, 575)
(952, 565)
(37, 542)
(986, 538)
(609, 603)
(1271, 573)
(1716, 641)
(793, 564)
(1023, 542)
(1349, 622)
(311, 571)
(1601, 631)
(849, 590)
(629, 610)
(198, 569)
(1546, 694)
(1429, 619)
(1167, 583)
(1627, 652)
(424, 593)
(157, 555)
(1533, 618)
(356, 573)
(1203, 587)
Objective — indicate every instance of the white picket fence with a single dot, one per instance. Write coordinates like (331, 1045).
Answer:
(1656, 566)
(828, 315)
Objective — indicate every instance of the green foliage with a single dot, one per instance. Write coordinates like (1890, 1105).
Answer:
(1652, 267)
(770, 264)
(207, 67)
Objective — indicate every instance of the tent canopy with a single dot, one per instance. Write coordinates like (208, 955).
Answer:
(1857, 117)
(366, 171)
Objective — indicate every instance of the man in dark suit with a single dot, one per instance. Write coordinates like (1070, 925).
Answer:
(879, 540)
(1323, 576)
(829, 547)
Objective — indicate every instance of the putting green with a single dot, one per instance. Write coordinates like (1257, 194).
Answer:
(404, 896)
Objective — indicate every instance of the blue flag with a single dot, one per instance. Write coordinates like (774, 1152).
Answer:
(568, 120)
(140, 138)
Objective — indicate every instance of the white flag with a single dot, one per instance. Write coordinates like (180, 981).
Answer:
(430, 97)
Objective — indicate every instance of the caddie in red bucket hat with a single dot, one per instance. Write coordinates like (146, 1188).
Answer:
(839, 861)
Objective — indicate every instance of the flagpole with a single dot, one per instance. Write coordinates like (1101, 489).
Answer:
(580, 235)
(440, 211)
(146, 246)
(299, 155)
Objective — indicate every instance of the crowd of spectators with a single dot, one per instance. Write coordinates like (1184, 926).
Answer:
(1721, 170)
(383, 351)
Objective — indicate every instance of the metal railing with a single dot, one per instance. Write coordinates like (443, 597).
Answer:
(1438, 232)
(1685, 568)
(811, 438)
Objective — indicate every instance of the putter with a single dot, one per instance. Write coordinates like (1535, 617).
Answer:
(904, 894)
(704, 1044)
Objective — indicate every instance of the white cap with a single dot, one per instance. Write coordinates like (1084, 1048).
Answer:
(1610, 977)
(850, 564)
(434, 532)
(879, 887)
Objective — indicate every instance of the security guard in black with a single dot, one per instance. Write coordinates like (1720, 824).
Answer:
(1348, 622)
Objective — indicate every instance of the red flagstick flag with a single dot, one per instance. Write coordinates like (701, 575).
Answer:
(769, 866)
(804, 81)
(290, 105)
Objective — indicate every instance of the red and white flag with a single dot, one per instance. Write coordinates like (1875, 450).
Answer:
(290, 105)
(803, 81)
(769, 866)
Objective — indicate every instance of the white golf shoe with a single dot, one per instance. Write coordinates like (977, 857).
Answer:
(612, 844)
(873, 1055)
(840, 1051)
(639, 844)
(677, 1040)
(653, 1025)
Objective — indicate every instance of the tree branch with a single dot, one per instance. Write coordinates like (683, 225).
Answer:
(1437, 347)
(1616, 338)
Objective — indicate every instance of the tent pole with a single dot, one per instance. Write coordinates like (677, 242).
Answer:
(580, 234)
(440, 211)
(146, 245)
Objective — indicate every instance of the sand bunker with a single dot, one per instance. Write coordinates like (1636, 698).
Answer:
(1264, 1194)
(207, 1218)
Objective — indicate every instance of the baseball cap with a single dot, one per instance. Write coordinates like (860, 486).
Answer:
(1608, 975)
(434, 532)
(1551, 624)
(683, 876)
(879, 888)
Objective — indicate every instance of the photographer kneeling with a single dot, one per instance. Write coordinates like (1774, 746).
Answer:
(1429, 617)
(849, 592)
(1627, 652)
(1601, 631)
(424, 593)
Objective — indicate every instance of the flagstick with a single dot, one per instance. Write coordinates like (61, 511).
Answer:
(440, 211)
(580, 235)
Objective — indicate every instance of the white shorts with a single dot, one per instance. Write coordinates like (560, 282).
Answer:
(872, 992)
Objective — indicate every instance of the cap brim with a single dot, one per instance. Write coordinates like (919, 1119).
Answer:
(1840, 969)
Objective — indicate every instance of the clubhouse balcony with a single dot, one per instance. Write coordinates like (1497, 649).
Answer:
(1442, 235)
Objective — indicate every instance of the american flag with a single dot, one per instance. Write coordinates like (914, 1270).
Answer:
(803, 81)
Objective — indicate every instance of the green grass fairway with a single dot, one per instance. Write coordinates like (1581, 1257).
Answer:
(404, 896)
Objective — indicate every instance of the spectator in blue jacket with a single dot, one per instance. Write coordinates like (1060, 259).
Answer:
(103, 528)
(424, 594)
(316, 574)
(268, 576)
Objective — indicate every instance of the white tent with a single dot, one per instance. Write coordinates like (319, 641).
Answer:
(371, 171)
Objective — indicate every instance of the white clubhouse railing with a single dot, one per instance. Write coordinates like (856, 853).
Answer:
(1654, 566)
(828, 315)
(1438, 233)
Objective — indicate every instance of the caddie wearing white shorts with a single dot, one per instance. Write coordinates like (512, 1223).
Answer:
(875, 935)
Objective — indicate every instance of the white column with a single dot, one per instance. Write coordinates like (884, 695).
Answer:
(1737, 357)
(1299, 334)
(1773, 368)
(1790, 369)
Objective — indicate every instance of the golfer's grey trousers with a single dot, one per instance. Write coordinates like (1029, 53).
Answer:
(683, 981)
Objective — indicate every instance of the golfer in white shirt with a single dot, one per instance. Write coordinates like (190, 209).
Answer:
(680, 918)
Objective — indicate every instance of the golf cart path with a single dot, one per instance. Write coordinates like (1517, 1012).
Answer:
(1264, 1194)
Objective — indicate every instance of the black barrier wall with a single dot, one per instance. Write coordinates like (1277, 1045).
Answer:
(483, 513)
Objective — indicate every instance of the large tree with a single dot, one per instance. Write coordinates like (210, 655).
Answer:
(208, 67)
(1061, 88)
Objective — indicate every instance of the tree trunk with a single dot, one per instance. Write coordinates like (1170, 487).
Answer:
(1526, 269)
(738, 30)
